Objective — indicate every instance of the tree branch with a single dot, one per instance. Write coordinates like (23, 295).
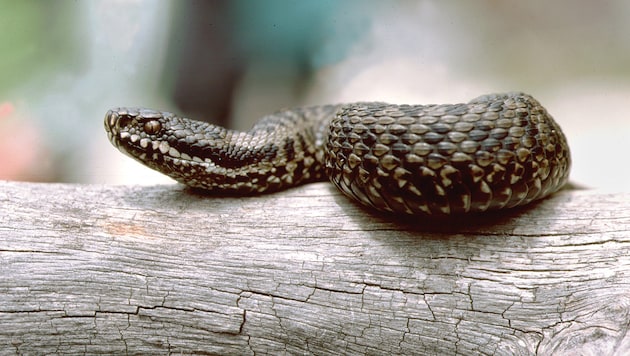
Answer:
(114, 269)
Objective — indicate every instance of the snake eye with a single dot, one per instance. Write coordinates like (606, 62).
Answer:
(152, 127)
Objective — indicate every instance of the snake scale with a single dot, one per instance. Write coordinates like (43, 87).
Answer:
(496, 151)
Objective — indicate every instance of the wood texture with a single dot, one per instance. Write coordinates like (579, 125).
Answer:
(160, 269)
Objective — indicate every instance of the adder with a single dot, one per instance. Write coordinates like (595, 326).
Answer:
(495, 152)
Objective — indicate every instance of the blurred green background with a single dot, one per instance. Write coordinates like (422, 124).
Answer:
(65, 63)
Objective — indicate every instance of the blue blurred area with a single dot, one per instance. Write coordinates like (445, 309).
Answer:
(315, 33)
(214, 44)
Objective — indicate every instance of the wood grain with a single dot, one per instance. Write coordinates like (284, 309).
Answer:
(161, 269)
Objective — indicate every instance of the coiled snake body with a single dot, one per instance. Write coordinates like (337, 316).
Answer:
(497, 151)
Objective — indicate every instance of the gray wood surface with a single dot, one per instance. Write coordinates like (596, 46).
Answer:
(160, 269)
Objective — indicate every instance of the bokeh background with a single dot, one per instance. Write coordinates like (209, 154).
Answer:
(64, 63)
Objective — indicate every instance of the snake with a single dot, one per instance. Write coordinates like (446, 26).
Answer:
(498, 151)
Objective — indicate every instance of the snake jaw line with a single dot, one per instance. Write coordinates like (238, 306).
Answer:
(497, 151)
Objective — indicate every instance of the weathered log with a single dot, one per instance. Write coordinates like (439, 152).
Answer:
(161, 269)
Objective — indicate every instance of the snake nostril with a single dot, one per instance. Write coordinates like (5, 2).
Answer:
(124, 121)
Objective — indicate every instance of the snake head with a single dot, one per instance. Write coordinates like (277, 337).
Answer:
(137, 132)
(196, 153)
(160, 140)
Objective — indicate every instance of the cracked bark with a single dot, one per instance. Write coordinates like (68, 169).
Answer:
(104, 269)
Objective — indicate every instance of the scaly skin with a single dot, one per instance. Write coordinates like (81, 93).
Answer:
(497, 151)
